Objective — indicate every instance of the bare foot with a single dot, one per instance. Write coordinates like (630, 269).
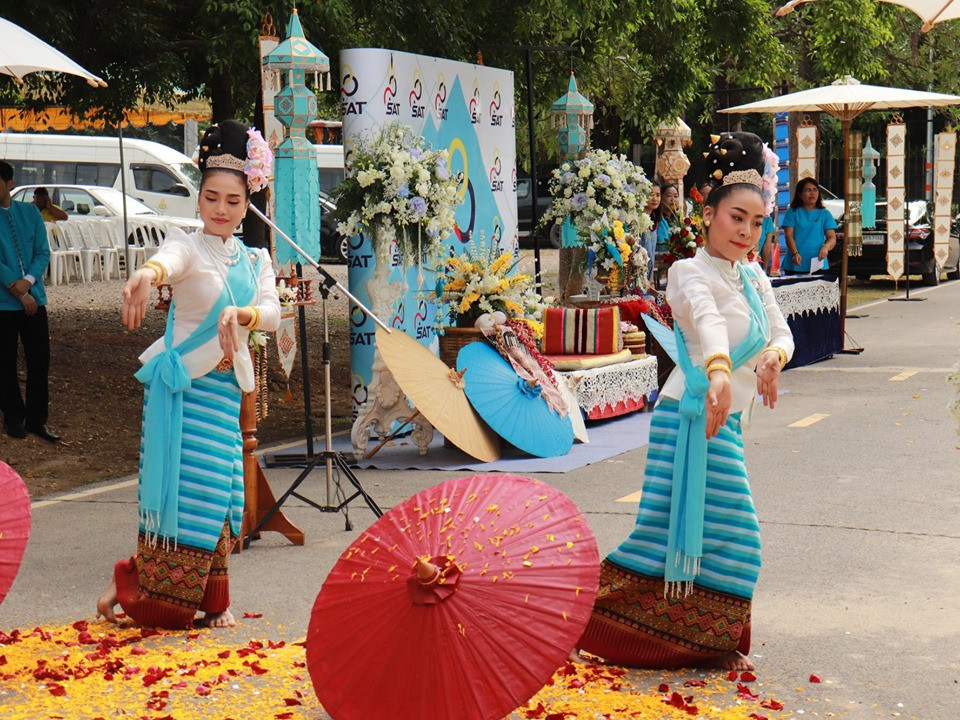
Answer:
(731, 661)
(576, 658)
(107, 602)
(217, 620)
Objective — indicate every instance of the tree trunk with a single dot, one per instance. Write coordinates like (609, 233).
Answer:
(254, 229)
(221, 96)
(570, 280)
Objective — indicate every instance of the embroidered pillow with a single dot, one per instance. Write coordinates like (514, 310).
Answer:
(574, 331)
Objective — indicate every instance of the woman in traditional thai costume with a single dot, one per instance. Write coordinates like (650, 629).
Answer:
(191, 471)
(677, 592)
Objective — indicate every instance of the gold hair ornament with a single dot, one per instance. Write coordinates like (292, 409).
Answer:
(226, 161)
(746, 177)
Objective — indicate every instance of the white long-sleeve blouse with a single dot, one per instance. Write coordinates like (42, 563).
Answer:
(197, 283)
(715, 318)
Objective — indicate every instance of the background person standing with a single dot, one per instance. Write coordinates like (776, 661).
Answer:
(808, 228)
(24, 255)
(48, 211)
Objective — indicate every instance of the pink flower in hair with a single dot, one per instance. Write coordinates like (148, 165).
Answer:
(771, 167)
(259, 162)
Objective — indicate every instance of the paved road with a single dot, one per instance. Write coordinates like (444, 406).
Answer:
(855, 482)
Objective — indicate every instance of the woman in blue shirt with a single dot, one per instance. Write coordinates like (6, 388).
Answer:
(808, 228)
(768, 238)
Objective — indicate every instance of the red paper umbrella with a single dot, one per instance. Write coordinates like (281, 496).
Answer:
(459, 603)
(14, 525)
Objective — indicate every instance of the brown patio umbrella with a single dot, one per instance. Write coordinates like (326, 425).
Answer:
(846, 99)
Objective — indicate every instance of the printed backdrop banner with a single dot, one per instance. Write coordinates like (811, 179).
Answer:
(467, 109)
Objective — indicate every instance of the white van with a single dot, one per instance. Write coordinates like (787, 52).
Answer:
(156, 175)
(329, 166)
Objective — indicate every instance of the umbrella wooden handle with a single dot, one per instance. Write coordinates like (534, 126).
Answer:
(391, 436)
(427, 572)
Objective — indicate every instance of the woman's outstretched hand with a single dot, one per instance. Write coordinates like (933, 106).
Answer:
(768, 377)
(719, 400)
(227, 332)
(136, 293)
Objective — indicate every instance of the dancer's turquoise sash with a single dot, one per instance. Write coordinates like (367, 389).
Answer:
(166, 378)
(685, 537)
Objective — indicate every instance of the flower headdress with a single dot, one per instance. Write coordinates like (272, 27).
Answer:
(231, 145)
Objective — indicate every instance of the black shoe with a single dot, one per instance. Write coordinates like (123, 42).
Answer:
(45, 432)
(16, 431)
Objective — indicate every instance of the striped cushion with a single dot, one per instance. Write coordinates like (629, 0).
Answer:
(574, 331)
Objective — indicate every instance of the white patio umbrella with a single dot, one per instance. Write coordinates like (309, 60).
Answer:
(22, 53)
(846, 99)
(930, 11)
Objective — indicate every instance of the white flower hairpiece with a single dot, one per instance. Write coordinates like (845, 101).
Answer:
(259, 163)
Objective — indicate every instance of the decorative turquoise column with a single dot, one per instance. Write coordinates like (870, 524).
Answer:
(572, 115)
(869, 201)
(296, 184)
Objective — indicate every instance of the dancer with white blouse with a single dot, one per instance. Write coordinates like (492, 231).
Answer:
(190, 500)
(677, 592)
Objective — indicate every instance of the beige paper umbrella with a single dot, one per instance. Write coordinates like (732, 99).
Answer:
(437, 393)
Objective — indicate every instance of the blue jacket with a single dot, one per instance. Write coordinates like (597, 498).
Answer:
(31, 236)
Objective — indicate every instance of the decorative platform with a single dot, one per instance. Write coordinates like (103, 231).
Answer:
(616, 389)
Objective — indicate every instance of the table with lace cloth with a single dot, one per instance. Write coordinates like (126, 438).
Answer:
(811, 306)
(614, 390)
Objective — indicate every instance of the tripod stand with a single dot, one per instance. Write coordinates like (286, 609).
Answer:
(336, 499)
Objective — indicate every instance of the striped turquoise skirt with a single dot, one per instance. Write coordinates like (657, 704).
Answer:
(211, 461)
(633, 622)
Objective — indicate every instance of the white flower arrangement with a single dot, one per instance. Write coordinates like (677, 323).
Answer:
(287, 294)
(600, 183)
(398, 183)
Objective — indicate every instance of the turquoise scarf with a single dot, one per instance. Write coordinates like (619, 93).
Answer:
(167, 378)
(685, 537)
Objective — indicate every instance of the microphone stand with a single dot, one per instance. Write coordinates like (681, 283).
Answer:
(329, 456)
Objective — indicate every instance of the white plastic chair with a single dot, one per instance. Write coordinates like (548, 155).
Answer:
(68, 252)
(90, 250)
(135, 252)
(57, 260)
(109, 254)
(152, 234)
(71, 240)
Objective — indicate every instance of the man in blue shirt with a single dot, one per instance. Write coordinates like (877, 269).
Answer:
(24, 255)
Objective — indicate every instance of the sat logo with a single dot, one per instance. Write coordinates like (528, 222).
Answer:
(359, 337)
(390, 92)
(421, 327)
(416, 109)
(349, 85)
(474, 106)
(440, 99)
(496, 118)
(496, 184)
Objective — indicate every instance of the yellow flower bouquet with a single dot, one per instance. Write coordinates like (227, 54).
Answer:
(483, 281)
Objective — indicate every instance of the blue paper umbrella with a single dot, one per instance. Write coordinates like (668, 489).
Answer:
(508, 404)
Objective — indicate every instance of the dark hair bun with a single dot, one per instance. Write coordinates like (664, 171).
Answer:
(733, 151)
(228, 137)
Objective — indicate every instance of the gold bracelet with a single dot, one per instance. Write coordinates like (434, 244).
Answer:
(254, 318)
(159, 269)
(718, 356)
(780, 351)
(717, 366)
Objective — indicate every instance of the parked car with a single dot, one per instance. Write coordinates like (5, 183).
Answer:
(160, 177)
(549, 234)
(332, 243)
(873, 261)
(88, 201)
(832, 203)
